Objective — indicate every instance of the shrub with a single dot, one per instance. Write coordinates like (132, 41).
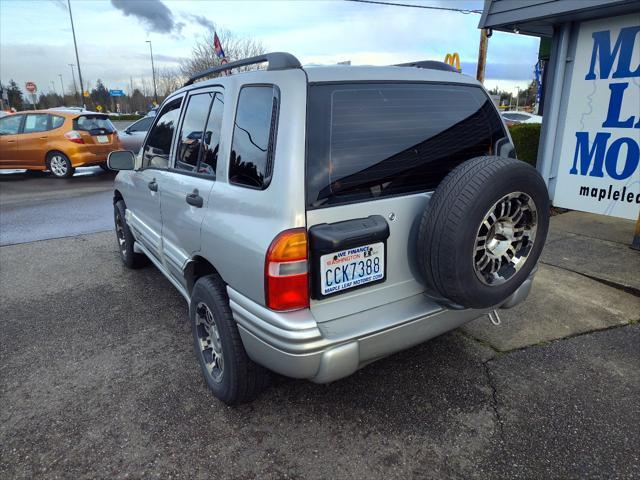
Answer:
(126, 117)
(526, 137)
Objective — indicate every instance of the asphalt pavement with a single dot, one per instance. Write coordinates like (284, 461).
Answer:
(98, 379)
(37, 206)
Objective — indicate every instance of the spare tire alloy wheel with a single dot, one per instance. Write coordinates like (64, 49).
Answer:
(482, 231)
(505, 238)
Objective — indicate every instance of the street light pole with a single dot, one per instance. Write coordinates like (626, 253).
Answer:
(518, 99)
(75, 44)
(153, 73)
(75, 87)
(61, 87)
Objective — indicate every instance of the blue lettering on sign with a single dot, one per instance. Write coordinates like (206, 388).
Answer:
(622, 49)
(597, 157)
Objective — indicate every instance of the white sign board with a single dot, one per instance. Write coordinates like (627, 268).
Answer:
(599, 165)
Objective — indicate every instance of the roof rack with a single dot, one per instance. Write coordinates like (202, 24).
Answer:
(431, 64)
(276, 61)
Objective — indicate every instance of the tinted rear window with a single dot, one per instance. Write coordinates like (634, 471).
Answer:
(94, 124)
(373, 140)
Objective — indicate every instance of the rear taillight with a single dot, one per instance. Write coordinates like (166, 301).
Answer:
(74, 136)
(285, 271)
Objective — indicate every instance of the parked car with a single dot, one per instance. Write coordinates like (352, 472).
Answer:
(328, 217)
(133, 136)
(512, 117)
(56, 140)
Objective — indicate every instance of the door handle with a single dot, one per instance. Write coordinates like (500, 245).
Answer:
(153, 185)
(43, 138)
(195, 199)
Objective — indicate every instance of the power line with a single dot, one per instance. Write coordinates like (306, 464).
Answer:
(427, 7)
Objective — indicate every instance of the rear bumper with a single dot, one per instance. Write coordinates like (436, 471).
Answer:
(295, 345)
(87, 158)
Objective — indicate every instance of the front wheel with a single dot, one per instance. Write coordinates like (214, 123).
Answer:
(230, 374)
(129, 257)
(60, 165)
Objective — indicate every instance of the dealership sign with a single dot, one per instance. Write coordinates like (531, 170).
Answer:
(599, 166)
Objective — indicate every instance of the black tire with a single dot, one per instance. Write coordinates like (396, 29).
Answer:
(104, 166)
(125, 240)
(240, 380)
(59, 165)
(450, 229)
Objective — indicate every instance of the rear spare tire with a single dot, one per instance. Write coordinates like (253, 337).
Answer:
(483, 231)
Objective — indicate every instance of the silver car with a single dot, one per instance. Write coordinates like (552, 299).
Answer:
(133, 136)
(318, 219)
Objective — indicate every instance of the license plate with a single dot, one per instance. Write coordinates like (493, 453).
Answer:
(102, 139)
(351, 268)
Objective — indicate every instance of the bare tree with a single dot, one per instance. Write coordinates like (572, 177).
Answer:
(168, 80)
(203, 55)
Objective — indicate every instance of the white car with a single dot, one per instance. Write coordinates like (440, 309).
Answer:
(521, 117)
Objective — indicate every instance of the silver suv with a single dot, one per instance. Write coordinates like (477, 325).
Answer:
(318, 219)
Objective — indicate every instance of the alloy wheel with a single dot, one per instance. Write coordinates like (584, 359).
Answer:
(208, 338)
(58, 165)
(505, 238)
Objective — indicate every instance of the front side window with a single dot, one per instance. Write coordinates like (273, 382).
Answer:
(190, 138)
(254, 132)
(10, 125)
(211, 145)
(158, 146)
(366, 141)
(56, 121)
(36, 123)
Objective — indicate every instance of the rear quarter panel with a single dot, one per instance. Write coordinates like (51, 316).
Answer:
(240, 223)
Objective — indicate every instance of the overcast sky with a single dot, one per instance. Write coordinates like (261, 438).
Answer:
(36, 42)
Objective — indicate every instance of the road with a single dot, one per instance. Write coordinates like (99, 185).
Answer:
(98, 378)
(39, 206)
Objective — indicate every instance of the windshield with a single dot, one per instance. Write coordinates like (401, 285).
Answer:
(94, 124)
(374, 140)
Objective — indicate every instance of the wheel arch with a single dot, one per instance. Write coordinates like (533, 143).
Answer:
(196, 268)
(117, 196)
(51, 152)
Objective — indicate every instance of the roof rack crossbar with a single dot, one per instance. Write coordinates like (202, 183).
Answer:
(430, 64)
(276, 61)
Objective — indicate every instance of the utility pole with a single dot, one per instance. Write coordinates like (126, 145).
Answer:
(518, 99)
(153, 73)
(75, 87)
(75, 44)
(53, 87)
(61, 87)
(482, 55)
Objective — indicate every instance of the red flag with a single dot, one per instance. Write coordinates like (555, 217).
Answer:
(217, 46)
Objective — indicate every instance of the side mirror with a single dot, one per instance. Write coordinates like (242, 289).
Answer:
(121, 160)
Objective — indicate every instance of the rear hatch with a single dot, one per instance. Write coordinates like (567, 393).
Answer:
(377, 151)
(97, 131)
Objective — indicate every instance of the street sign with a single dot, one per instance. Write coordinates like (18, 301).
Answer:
(31, 87)
(116, 93)
(99, 108)
(86, 93)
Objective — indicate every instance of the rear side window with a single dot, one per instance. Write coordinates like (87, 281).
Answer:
(254, 131)
(141, 125)
(190, 137)
(56, 121)
(367, 141)
(36, 123)
(94, 124)
(211, 145)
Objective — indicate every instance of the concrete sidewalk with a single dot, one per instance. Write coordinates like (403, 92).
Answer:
(589, 279)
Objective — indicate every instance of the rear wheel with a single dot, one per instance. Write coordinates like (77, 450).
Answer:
(230, 374)
(60, 165)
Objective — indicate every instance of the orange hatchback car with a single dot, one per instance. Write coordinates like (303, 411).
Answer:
(56, 140)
